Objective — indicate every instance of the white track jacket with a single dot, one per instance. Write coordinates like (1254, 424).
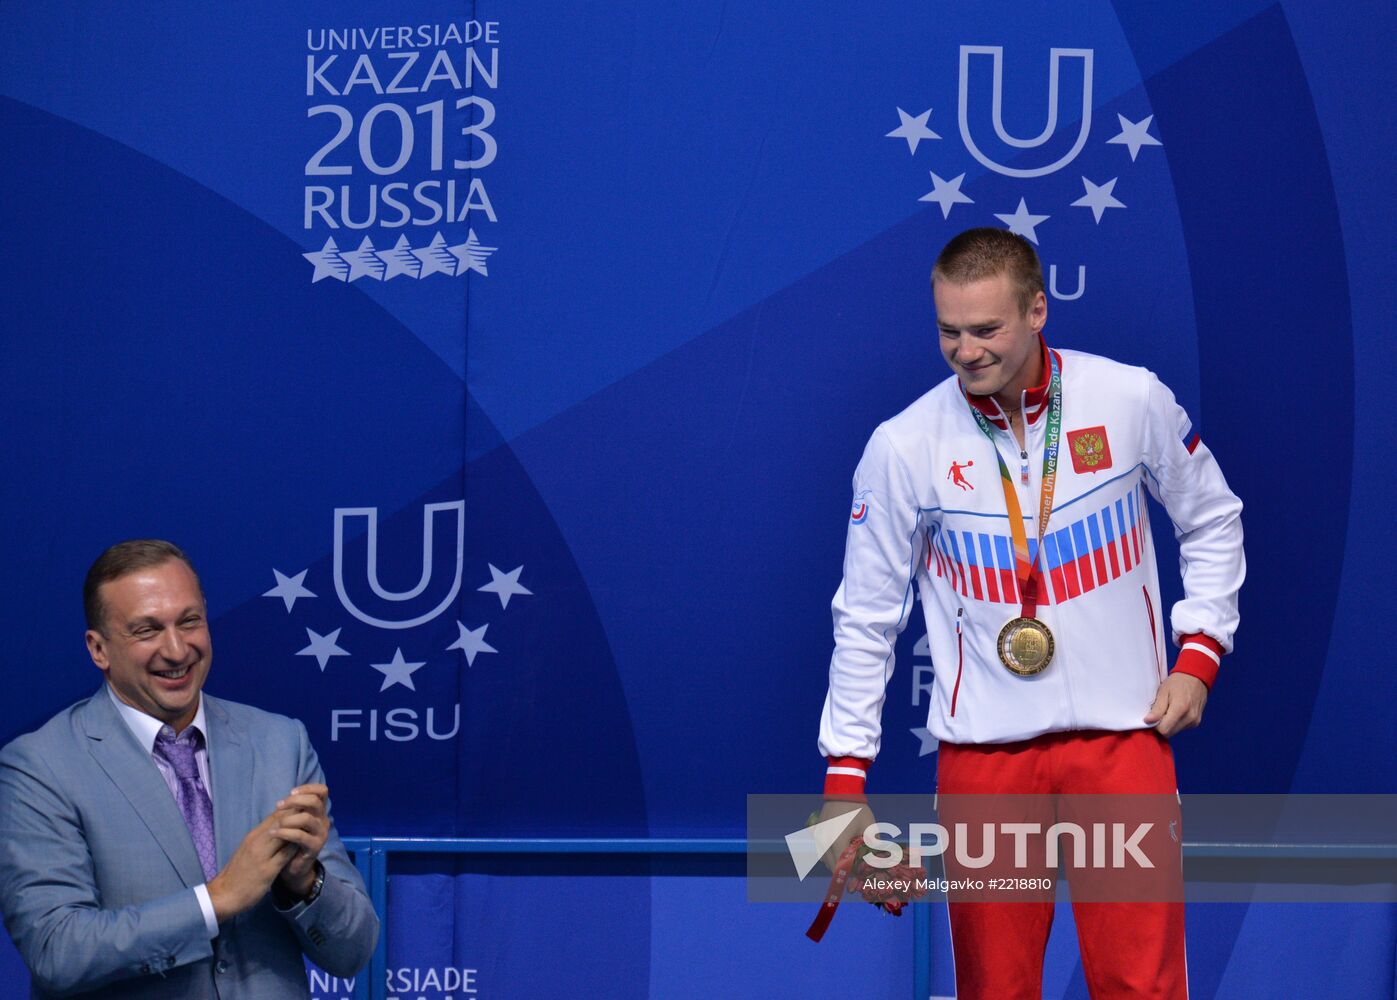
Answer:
(929, 523)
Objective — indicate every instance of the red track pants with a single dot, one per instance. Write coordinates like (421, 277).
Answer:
(1129, 949)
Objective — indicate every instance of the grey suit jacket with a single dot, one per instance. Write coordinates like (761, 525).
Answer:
(97, 867)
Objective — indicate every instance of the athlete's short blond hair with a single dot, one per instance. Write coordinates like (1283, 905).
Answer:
(977, 254)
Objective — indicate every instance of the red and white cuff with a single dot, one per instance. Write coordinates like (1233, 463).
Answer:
(1199, 656)
(845, 777)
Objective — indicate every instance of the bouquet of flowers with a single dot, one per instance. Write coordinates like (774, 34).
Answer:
(889, 889)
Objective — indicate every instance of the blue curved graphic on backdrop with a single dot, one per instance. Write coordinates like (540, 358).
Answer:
(173, 375)
(237, 410)
(1266, 257)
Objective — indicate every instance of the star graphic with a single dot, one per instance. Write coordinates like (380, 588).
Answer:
(472, 255)
(399, 671)
(1022, 222)
(364, 263)
(471, 642)
(399, 260)
(947, 193)
(328, 262)
(322, 647)
(506, 585)
(289, 588)
(1133, 135)
(436, 257)
(1099, 197)
(914, 130)
(929, 742)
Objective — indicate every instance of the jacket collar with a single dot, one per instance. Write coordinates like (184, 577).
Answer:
(114, 748)
(1036, 398)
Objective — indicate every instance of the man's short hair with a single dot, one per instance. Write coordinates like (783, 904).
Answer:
(977, 254)
(119, 560)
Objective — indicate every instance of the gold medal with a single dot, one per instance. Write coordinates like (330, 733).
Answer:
(1025, 646)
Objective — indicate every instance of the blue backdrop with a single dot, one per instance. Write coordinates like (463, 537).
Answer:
(503, 371)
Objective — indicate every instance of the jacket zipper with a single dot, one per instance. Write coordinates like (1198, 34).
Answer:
(1023, 449)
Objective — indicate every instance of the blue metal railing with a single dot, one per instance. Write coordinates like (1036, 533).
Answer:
(371, 858)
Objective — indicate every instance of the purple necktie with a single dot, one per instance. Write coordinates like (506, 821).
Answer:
(193, 798)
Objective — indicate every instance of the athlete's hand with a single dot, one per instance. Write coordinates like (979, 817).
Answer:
(861, 822)
(1178, 705)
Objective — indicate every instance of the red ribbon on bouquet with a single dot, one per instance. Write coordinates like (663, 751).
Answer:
(836, 890)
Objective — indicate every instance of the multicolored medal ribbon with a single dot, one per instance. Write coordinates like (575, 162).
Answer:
(1025, 644)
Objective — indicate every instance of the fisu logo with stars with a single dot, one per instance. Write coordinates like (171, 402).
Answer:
(395, 619)
(1079, 171)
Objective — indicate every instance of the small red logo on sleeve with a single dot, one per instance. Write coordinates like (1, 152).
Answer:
(1090, 448)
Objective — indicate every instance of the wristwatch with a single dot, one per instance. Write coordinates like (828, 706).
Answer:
(317, 885)
(285, 899)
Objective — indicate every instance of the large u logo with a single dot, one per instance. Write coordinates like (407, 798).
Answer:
(369, 571)
(996, 52)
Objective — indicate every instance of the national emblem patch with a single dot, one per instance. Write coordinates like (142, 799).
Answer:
(1090, 448)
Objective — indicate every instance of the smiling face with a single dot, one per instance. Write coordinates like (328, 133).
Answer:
(987, 339)
(154, 643)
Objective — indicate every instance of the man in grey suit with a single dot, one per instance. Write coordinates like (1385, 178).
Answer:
(159, 842)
